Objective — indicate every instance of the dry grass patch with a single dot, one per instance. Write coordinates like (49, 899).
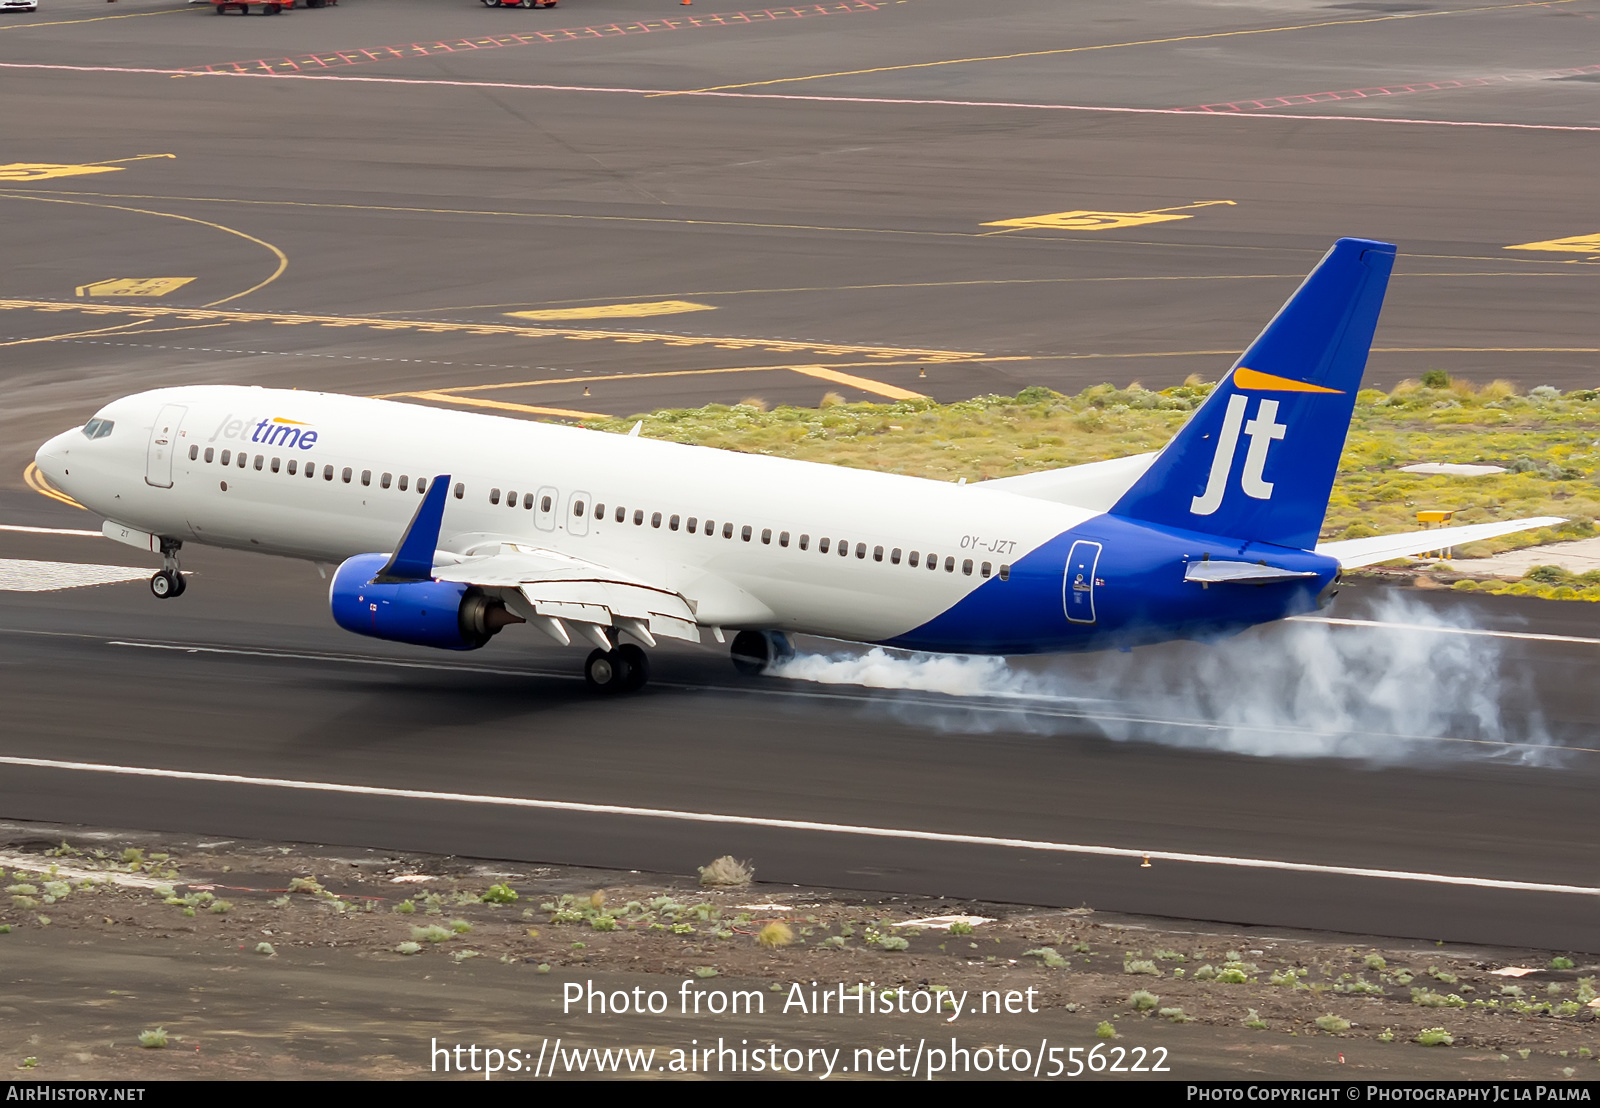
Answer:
(1547, 440)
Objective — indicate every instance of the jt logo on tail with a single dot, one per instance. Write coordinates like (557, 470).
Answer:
(1291, 394)
(1263, 430)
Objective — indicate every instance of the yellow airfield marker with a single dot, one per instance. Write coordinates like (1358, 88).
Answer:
(1577, 244)
(865, 384)
(1102, 221)
(134, 286)
(615, 311)
(41, 171)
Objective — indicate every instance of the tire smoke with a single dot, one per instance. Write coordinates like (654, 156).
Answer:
(1408, 691)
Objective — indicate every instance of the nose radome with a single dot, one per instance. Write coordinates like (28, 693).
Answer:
(53, 456)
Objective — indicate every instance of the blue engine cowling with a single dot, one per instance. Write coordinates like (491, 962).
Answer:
(443, 614)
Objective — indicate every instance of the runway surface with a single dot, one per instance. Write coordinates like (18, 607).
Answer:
(361, 199)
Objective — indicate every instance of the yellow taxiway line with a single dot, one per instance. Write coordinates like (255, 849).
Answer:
(35, 481)
(423, 326)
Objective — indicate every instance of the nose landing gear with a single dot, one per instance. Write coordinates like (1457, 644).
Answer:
(168, 580)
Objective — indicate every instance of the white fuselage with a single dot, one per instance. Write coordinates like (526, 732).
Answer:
(362, 451)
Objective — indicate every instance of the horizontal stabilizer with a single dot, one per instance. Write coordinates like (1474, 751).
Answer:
(1354, 553)
(1240, 573)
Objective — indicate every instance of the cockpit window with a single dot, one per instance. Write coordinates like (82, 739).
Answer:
(97, 428)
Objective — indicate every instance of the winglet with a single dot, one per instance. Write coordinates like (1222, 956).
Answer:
(412, 560)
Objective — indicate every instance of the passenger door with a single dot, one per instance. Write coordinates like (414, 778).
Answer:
(163, 442)
(1077, 589)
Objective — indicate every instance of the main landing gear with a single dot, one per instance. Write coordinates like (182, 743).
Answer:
(754, 651)
(624, 668)
(168, 581)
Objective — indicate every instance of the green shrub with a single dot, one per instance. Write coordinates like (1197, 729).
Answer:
(1142, 1001)
(153, 1040)
(1434, 1036)
(776, 934)
(1333, 1023)
(499, 894)
(1105, 1030)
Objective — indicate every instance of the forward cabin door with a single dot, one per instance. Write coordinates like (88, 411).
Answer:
(1077, 590)
(163, 443)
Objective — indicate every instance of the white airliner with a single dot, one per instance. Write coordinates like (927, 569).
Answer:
(449, 526)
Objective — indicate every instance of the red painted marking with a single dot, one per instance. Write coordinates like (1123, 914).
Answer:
(565, 34)
(1271, 102)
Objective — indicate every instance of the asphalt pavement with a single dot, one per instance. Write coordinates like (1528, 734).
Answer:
(364, 198)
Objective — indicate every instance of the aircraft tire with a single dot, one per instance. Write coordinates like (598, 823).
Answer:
(606, 671)
(165, 585)
(638, 666)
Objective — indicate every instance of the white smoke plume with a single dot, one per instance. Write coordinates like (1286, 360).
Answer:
(1399, 692)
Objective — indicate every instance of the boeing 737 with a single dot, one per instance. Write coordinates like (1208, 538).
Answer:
(447, 527)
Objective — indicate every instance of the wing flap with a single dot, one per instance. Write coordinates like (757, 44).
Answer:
(571, 590)
(1354, 553)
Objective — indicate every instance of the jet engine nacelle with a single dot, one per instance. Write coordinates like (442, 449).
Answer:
(444, 614)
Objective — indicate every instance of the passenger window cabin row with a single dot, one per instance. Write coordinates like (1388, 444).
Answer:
(694, 525)
(242, 460)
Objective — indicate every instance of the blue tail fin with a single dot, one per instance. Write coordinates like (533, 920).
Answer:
(1290, 396)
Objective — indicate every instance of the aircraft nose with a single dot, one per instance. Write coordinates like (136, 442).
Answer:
(52, 458)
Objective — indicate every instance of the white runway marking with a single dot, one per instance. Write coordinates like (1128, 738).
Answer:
(1531, 635)
(887, 100)
(22, 575)
(798, 825)
(52, 531)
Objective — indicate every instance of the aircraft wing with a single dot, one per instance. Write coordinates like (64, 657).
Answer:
(560, 594)
(1353, 553)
